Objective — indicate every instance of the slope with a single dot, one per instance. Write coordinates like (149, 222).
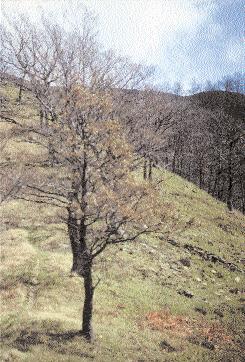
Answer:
(177, 297)
(231, 103)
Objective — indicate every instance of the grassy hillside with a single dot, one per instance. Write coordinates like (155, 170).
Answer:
(178, 297)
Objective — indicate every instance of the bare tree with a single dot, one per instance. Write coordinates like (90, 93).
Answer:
(149, 117)
(86, 166)
(177, 89)
(195, 86)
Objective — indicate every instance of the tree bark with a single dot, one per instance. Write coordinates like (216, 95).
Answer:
(87, 329)
(242, 194)
(150, 170)
(174, 161)
(230, 178)
(41, 115)
(200, 176)
(145, 169)
(20, 94)
(73, 235)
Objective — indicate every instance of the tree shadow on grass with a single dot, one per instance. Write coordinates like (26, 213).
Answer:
(59, 342)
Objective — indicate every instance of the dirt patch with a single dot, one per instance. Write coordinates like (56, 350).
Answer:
(214, 333)
(198, 331)
(164, 320)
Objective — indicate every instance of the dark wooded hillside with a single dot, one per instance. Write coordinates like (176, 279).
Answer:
(199, 137)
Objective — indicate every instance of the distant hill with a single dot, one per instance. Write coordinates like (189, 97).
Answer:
(231, 103)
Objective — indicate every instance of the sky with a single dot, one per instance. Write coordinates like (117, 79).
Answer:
(184, 39)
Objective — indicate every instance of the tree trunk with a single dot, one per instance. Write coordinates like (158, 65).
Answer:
(230, 178)
(209, 182)
(20, 94)
(150, 170)
(145, 169)
(87, 330)
(41, 115)
(174, 162)
(242, 193)
(200, 176)
(73, 235)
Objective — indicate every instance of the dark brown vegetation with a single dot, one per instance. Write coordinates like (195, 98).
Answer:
(199, 137)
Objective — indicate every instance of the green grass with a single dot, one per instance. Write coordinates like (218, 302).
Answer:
(41, 305)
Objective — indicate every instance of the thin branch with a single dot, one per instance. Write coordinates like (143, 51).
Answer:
(97, 283)
(39, 202)
(44, 191)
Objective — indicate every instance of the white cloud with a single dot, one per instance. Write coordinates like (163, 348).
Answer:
(235, 51)
(137, 28)
(149, 31)
(143, 28)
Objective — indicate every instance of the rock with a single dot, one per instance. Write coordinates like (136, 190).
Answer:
(242, 309)
(144, 273)
(237, 279)
(198, 341)
(232, 267)
(213, 271)
(221, 291)
(217, 293)
(234, 290)
(201, 310)
(166, 346)
(208, 345)
(173, 242)
(185, 293)
(185, 262)
(219, 313)
(34, 281)
(121, 306)
(233, 311)
(193, 340)
(213, 258)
